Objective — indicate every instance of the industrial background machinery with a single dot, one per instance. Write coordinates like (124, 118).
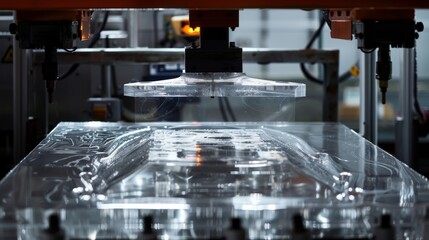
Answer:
(184, 179)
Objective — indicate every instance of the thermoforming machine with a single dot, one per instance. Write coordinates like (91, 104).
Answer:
(233, 181)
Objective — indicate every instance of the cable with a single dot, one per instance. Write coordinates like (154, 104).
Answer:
(308, 74)
(325, 15)
(342, 78)
(304, 70)
(92, 42)
(415, 90)
(316, 35)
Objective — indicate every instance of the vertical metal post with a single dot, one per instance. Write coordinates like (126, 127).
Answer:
(19, 100)
(330, 86)
(263, 39)
(133, 28)
(404, 138)
(106, 81)
(44, 115)
(368, 124)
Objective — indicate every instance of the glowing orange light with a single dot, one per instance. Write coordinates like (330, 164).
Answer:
(187, 30)
(198, 155)
(198, 161)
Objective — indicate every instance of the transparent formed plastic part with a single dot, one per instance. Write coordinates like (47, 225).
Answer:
(192, 178)
(214, 85)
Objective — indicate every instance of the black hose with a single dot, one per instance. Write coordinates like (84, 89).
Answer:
(316, 34)
(302, 66)
(304, 70)
(415, 90)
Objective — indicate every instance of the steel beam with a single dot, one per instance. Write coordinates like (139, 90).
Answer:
(176, 55)
(209, 4)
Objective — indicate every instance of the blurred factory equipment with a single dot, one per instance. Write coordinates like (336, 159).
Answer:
(106, 107)
(215, 53)
(377, 29)
(214, 68)
(299, 229)
(6, 93)
(235, 231)
(51, 31)
(148, 231)
(382, 29)
(54, 230)
(227, 180)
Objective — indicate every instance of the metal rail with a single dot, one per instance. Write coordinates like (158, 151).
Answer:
(405, 139)
(368, 120)
(176, 55)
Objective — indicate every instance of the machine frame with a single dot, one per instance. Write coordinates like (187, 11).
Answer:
(207, 4)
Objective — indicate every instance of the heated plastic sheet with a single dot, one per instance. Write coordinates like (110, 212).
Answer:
(214, 85)
(103, 178)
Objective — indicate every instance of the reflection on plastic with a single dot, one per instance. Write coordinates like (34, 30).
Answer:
(192, 178)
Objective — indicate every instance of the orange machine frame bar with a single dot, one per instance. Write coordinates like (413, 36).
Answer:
(208, 4)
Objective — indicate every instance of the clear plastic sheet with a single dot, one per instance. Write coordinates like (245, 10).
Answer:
(193, 177)
(214, 85)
